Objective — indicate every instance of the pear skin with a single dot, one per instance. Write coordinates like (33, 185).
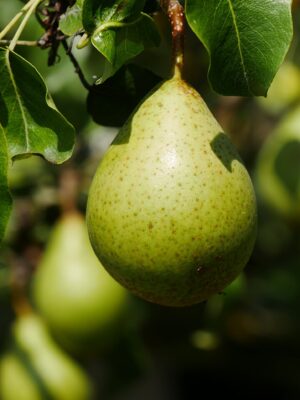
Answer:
(171, 210)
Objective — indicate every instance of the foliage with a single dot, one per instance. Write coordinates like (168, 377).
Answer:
(252, 329)
(246, 43)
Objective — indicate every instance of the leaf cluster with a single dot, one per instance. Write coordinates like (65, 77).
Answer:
(246, 41)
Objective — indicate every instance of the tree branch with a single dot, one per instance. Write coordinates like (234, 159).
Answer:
(76, 65)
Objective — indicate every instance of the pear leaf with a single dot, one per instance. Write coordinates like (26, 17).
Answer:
(119, 30)
(109, 10)
(5, 199)
(119, 45)
(71, 21)
(30, 120)
(247, 41)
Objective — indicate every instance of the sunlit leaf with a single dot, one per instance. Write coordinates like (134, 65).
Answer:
(71, 21)
(31, 123)
(247, 41)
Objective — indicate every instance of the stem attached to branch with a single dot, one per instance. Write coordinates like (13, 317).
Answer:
(175, 12)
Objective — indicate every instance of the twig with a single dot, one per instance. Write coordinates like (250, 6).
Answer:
(32, 43)
(16, 18)
(22, 25)
(76, 65)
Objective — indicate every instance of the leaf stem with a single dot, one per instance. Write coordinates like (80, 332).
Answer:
(32, 4)
(116, 24)
(20, 43)
(68, 190)
(175, 12)
(15, 19)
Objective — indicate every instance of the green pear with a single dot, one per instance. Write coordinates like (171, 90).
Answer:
(278, 168)
(171, 209)
(35, 368)
(81, 303)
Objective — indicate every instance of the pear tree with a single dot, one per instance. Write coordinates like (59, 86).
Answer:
(171, 211)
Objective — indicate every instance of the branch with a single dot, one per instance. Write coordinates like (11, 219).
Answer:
(76, 65)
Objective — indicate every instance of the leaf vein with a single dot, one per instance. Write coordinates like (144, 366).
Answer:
(239, 43)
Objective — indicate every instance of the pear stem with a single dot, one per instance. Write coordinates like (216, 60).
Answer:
(68, 190)
(175, 12)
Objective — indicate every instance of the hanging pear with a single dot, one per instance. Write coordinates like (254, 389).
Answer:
(171, 210)
(35, 368)
(82, 305)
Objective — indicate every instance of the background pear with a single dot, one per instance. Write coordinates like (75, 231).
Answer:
(35, 368)
(284, 90)
(80, 302)
(278, 168)
(171, 210)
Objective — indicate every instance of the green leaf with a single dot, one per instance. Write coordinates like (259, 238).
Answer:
(89, 10)
(119, 10)
(71, 21)
(247, 41)
(5, 199)
(31, 123)
(120, 44)
(119, 31)
(95, 11)
(121, 93)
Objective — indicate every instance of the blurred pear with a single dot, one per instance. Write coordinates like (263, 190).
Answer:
(35, 368)
(26, 172)
(82, 304)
